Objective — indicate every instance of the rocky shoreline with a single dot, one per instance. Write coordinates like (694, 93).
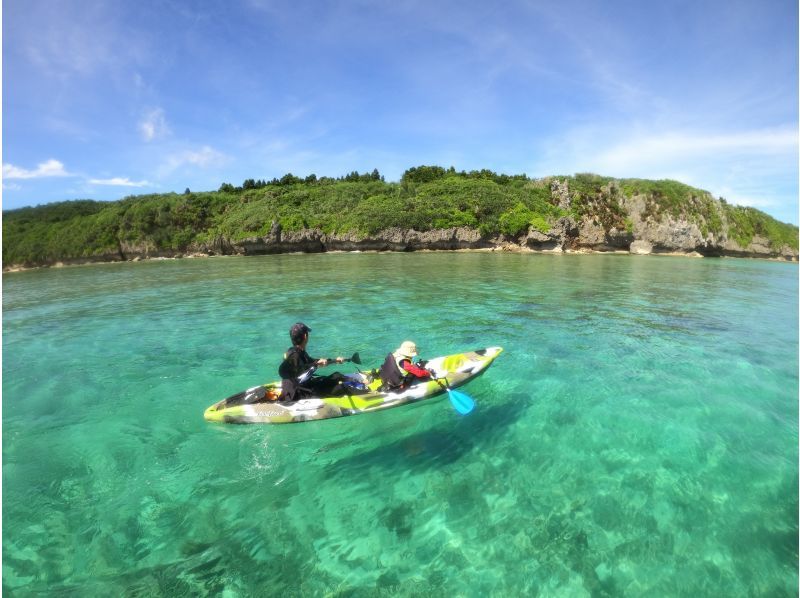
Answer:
(614, 222)
(565, 236)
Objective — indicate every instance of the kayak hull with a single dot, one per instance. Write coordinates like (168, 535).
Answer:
(257, 406)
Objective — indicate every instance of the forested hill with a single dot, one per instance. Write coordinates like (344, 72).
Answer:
(430, 207)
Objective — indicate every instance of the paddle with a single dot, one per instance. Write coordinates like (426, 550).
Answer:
(355, 359)
(308, 373)
(461, 401)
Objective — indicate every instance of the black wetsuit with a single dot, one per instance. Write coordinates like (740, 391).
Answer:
(296, 363)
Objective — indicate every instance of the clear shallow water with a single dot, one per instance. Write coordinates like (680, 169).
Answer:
(638, 436)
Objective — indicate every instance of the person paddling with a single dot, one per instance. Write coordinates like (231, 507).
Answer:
(297, 381)
(398, 371)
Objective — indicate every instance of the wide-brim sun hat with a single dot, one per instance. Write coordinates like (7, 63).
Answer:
(407, 349)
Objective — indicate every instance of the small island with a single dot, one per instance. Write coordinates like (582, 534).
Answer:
(430, 208)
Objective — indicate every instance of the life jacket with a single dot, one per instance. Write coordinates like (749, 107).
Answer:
(393, 376)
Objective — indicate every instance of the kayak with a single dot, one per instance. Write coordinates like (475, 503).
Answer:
(259, 405)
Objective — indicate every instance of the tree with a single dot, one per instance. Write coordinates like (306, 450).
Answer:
(290, 179)
(423, 174)
(353, 177)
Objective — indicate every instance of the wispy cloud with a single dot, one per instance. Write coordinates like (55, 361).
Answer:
(119, 182)
(68, 127)
(63, 40)
(154, 125)
(45, 169)
(54, 168)
(605, 151)
(658, 150)
(205, 157)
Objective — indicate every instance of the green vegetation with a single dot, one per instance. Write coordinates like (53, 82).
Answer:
(667, 196)
(746, 222)
(427, 197)
(679, 201)
(596, 197)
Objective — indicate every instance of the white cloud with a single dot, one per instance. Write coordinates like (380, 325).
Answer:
(605, 151)
(44, 169)
(205, 157)
(119, 182)
(12, 187)
(154, 125)
(658, 150)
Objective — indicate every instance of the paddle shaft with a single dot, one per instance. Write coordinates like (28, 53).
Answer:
(355, 359)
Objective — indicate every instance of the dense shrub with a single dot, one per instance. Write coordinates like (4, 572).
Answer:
(745, 223)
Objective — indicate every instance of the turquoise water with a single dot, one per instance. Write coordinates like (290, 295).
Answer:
(638, 436)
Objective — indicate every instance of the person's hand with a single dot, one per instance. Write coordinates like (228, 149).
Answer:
(340, 360)
(322, 362)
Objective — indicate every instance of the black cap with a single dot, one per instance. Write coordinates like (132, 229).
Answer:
(298, 330)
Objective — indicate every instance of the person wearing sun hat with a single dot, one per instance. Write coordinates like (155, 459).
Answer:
(398, 371)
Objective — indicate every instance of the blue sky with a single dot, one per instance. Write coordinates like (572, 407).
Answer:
(107, 99)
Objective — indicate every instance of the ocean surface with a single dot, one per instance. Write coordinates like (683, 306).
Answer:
(638, 436)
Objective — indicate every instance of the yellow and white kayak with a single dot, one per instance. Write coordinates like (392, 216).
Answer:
(258, 405)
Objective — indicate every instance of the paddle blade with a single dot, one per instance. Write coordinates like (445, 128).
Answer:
(462, 402)
(356, 359)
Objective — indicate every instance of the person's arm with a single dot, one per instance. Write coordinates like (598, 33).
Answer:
(323, 362)
(413, 369)
(305, 362)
